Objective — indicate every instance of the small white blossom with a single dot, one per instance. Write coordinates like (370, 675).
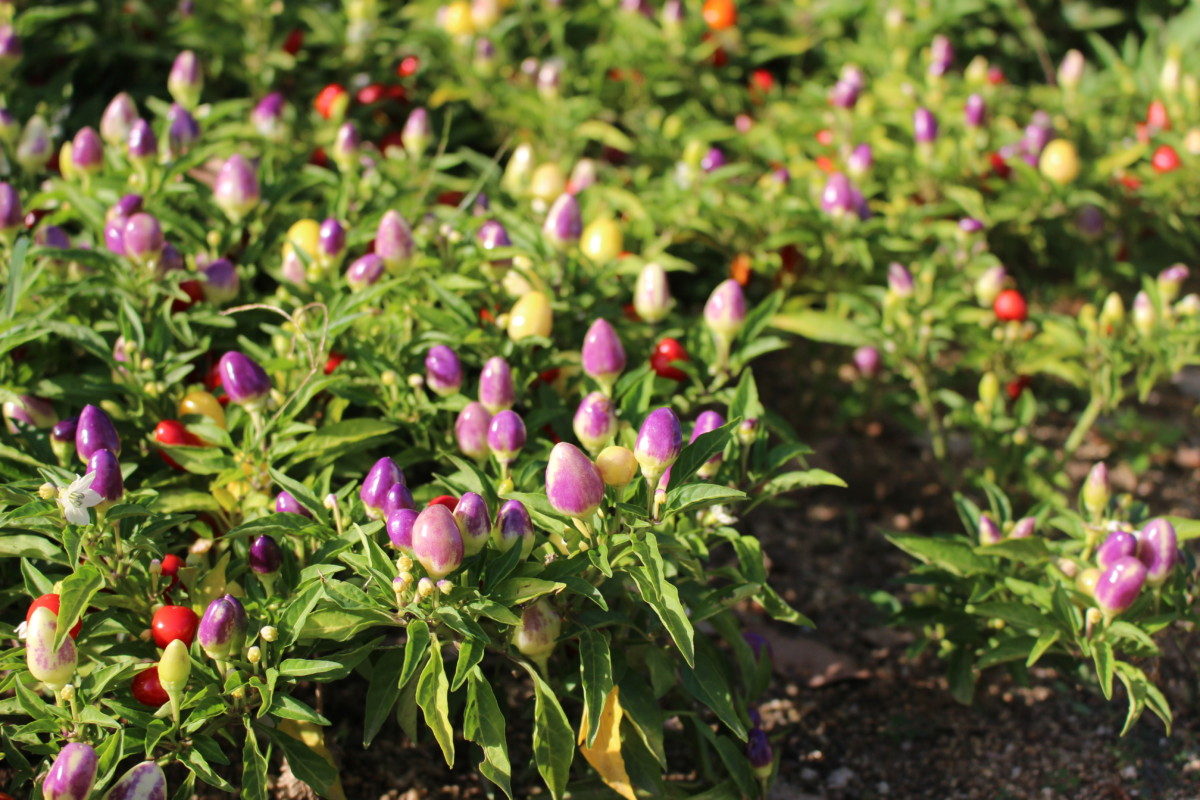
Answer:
(77, 498)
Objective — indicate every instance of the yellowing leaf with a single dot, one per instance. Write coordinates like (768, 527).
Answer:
(313, 737)
(605, 753)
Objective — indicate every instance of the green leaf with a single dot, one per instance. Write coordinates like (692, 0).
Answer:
(484, 724)
(595, 674)
(692, 457)
(194, 760)
(383, 690)
(1102, 654)
(662, 595)
(24, 545)
(433, 698)
(308, 668)
(700, 495)
(821, 326)
(470, 653)
(340, 438)
(1044, 643)
(553, 739)
(745, 403)
(801, 479)
(306, 764)
(78, 589)
(254, 767)
(414, 649)
(953, 555)
(709, 683)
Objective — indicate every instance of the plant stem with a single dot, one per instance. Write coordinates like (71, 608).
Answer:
(1085, 423)
(936, 432)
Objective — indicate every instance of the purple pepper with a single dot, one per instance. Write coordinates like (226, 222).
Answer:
(142, 144)
(73, 773)
(713, 160)
(474, 521)
(841, 198)
(11, 48)
(182, 130)
(53, 236)
(29, 412)
(221, 281)
(222, 628)
(236, 190)
(1024, 528)
(87, 151)
(603, 356)
(400, 528)
(243, 379)
(1118, 545)
(117, 119)
(1119, 585)
(346, 145)
(443, 372)
(506, 436)
(331, 239)
(925, 126)
(970, 225)
(975, 111)
(659, 441)
(398, 497)
(380, 478)
(266, 557)
(573, 483)
(285, 503)
(492, 235)
(1158, 549)
(759, 752)
(268, 114)
(95, 431)
(725, 310)
(941, 56)
(470, 430)
(563, 225)
(900, 280)
(989, 531)
(107, 482)
(416, 133)
(185, 79)
(145, 781)
(513, 525)
(437, 541)
(12, 216)
(393, 240)
(64, 430)
(1089, 221)
(365, 271)
(860, 160)
(706, 422)
(595, 421)
(170, 259)
(759, 645)
(496, 390)
(867, 361)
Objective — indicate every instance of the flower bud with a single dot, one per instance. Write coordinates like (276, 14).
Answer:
(27, 411)
(72, 774)
(706, 422)
(1158, 549)
(659, 441)
(1118, 545)
(471, 430)
(182, 130)
(867, 360)
(518, 169)
(236, 190)
(185, 79)
(415, 136)
(471, 514)
(1070, 71)
(379, 480)
(243, 379)
(573, 484)
(285, 503)
(221, 281)
(975, 111)
(989, 531)
(1096, 490)
(538, 631)
(1119, 585)
(1023, 528)
(506, 436)
(87, 151)
(1170, 281)
(117, 120)
(108, 482)
(174, 666)
(393, 240)
(437, 541)
(95, 431)
(400, 528)
(267, 115)
(142, 144)
(425, 588)
(254, 654)
(530, 316)
(266, 557)
(145, 781)
(1144, 316)
(34, 147)
(513, 525)
(52, 667)
(443, 372)
(595, 421)
(925, 126)
(725, 311)
(603, 356)
(747, 431)
(222, 628)
(759, 753)
(269, 633)
(563, 225)
(496, 390)
(651, 295)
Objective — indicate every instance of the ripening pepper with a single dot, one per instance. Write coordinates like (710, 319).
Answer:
(573, 483)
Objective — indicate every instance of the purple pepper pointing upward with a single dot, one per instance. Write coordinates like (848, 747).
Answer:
(659, 441)
(1158, 549)
(573, 483)
(443, 372)
(222, 627)
(603, 355)
(95, 431)
(474, 521)
(266, 557)
(236, 190)
(1119, 585)
(73, 773)
(383, 475)
(243, 379)
(496, 390)
(437, 541)
(563, 225)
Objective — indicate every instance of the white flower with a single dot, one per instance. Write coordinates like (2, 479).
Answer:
(77, 498)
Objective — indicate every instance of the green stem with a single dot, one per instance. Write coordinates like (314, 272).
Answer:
(1085, 423)
(936, 432)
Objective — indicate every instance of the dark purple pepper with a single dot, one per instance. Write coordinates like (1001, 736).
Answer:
(266, 557)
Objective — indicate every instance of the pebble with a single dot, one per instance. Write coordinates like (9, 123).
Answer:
(840, 778)
(1129, 772)
(882, 787)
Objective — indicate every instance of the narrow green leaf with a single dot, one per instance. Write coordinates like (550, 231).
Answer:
(383, 689)
(553, 739)
(484, 724)
(433, 698)
(595, 672)
(78, 589)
